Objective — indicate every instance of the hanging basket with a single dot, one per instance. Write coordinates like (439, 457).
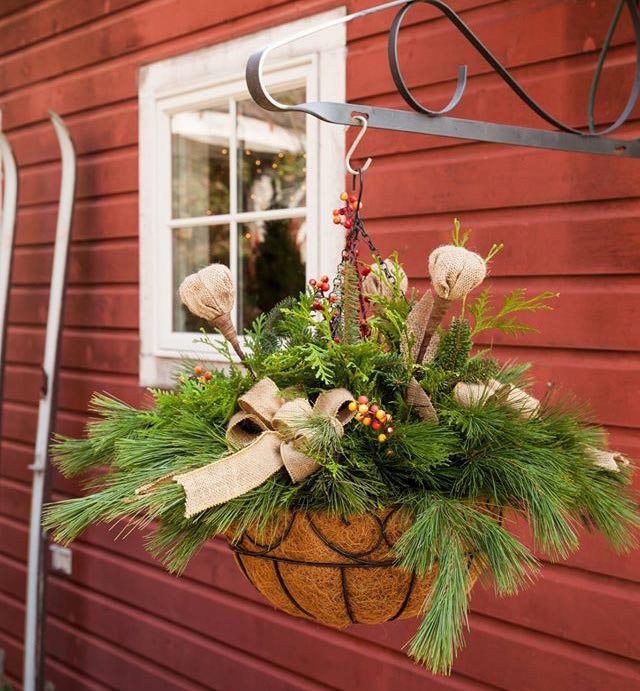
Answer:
(335, 571)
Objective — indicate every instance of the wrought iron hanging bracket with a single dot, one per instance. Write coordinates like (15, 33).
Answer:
(422, 120)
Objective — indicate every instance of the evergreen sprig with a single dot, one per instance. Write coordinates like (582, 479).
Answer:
(457, 540)
(487, 317)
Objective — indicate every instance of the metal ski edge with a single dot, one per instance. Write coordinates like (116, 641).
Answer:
(33, 666)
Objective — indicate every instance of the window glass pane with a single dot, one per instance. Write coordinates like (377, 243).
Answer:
(193, 249)
(271, 155)
(200, 162)
(271, 265)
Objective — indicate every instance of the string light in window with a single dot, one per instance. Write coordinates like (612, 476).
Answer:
(225, 152)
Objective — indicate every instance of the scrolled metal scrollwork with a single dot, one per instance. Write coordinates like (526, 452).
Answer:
(504, 74)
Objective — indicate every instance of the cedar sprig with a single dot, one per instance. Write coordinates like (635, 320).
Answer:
(486, 316)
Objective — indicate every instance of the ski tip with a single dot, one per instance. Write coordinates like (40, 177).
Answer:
(6, 153)
(64, 136)
(56, 118)
(58, 122)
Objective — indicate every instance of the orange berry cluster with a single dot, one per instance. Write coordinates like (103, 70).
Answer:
(372, 416)
(346, 214)
(200, 374)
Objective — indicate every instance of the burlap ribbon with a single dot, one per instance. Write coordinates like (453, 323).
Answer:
(267, 432)
(417, 322)
(609, 460)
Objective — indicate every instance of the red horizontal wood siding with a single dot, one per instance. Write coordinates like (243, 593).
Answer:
(569, 224)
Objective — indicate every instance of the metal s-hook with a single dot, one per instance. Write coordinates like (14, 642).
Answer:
(347, 161)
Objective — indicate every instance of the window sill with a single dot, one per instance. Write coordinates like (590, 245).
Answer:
(160, 369)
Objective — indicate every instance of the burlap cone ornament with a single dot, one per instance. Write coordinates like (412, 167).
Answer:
(210, 295)
(379, 283)
(609, 460)
(454, 272)
(520, 401)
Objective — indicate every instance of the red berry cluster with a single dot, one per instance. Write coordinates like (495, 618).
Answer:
(321, 285)
(324, 298)
(346, 215)
(372, 416)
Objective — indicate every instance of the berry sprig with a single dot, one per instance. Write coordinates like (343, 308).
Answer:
(325, 299)
(322, 288)
(372, 416)
(199, 374)
(345, 216)
(349, 217)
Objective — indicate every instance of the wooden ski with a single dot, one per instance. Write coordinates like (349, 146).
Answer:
(7, 228)
(33, 678)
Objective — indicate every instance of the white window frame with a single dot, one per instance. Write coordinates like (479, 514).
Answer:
(200, 79)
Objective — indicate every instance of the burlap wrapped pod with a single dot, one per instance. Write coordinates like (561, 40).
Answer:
(316, 566)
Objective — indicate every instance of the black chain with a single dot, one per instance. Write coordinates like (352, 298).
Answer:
(350, 256)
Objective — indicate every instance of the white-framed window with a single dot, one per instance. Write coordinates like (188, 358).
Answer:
(222, 180)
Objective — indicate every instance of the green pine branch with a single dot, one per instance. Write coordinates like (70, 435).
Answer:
(451, 538)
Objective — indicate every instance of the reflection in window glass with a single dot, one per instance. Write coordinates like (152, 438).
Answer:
(193, 249)
(271, 155)
(200, 162)
(271, 265)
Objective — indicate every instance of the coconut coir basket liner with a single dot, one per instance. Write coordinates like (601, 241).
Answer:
(338, 572)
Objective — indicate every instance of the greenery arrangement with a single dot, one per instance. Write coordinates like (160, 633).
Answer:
(433, 426)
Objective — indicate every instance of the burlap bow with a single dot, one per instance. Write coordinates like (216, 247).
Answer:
(264, 429)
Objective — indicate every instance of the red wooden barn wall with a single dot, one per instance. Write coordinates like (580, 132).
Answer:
(570, 224)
